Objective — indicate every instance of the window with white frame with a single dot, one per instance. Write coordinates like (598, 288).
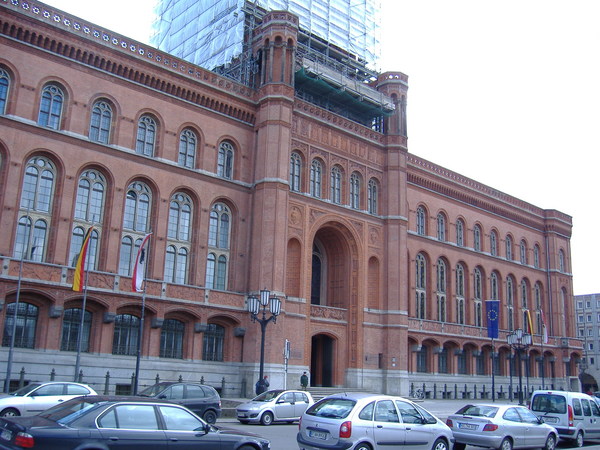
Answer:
(225, 160)
(295, 172)
(460, 233)
(178, 239)
(316, 177)
(51, 107)
(145, 140)
(336, 185)
(219, 246)
(421, 286)
(355, 191)
(477, 238)
(101, 122)
(186, 156)
(441, 227)
(373, 194)
(421, 224)
(136, 224)
(4, 86)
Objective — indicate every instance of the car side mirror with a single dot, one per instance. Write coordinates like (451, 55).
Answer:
(163, 396)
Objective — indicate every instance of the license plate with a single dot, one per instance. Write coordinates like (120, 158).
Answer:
(6, 435)
(241, 415)
(317, 434)
(550, 419)
(467, 426)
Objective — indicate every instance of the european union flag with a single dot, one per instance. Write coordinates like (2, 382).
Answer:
(493, 316)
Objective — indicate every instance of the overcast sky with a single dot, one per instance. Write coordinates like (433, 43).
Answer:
(504, 92)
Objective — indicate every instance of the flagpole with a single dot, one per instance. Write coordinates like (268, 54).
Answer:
(493, 371)
(83, 305)
(141, 332)
(15, 314)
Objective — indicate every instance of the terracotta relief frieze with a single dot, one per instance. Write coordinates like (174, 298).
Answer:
(325, 312)
(296, 216)
(315, 214)
(374, 237)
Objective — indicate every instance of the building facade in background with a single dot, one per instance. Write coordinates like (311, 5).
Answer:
(299, 181)
(587, 308)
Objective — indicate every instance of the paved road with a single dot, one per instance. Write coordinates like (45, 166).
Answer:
(283, 436)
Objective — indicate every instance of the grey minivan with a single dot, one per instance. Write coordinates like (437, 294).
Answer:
(361, 421)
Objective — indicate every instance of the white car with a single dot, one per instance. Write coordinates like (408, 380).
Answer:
(275, 406)
(37, 397)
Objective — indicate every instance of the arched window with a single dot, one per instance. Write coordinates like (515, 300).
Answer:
(295, 172)
(441, 227)
(178, 239)
(524, 294)
(423, 359)
(316, 176)
(373, 194)
(336, 185)
(494, 286)
(509, 245)
(421, 286)
(187, 148)
(218, 243)
(77, 238)
(536, 256)
(31, 239)
(51, 107)
(136, 223)
(213, 343)
(101, 122)
(176, 263)
(537, 295)
(460, 233)
(441, 290)
(494, 243)
(27, 316)
(355, 191)
(510, 304)
(146, 136)
(4, 85)
(561, 260)
(421, 223)
(477, 238)
(460, 294)
(70, 330)
(523, 252)
(225, 160)
(171, 339)
(478, 296)
(125, 337)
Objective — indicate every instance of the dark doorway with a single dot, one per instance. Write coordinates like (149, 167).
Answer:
(321, 361)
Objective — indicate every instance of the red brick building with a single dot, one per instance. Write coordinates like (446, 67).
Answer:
(383, 260)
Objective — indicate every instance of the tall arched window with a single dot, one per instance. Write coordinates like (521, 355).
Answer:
(493, 243)
(537, 298)
(373, 193)
(477, 238)
(77, 238)
(213, 343)
(178, 239)
(510, 304)
(561, 260)
(460, 233)
(51, 107)
(460, 294)
(509, 248)
(225, 160)
(136, 223)
(421, 221)
(171, 339)
(441, 290)
(523, 252)
(441, 227)
(478, 297)
(187, 148)
(295, 172)
(525, 305)
(494, 286)
(145, 141)
(101, 122)
(27, 316)
(218, 244)
(421, 286)
(70, 330)
(316, 177)
(355, 191)
(4, 85)
(536, 256)
(336, 185)
(125, 336)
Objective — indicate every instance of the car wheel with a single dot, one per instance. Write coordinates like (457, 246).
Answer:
(578, 442)
(550, 443)
(266, 418)
(210, 417)
(459, 446)
(440, 444)
(363, 446)
(246, 447)
(506, 444)
(9, 412)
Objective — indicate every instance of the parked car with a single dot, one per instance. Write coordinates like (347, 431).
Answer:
(37, 397)
(121, 421)
(500, 426)
(275, 406)
(361, 421)
(575, 415)
(202, 399)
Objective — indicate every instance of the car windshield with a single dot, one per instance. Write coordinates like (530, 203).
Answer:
(68, 411)
(25, 389)
(549, 403)
(478, 410)
(335, 408)
(267, 396)
(154, 390)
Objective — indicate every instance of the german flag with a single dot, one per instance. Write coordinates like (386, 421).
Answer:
(78, 278)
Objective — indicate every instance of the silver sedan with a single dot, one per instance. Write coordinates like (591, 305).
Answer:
(500, 426)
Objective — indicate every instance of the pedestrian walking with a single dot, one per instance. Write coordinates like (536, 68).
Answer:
(262, 385)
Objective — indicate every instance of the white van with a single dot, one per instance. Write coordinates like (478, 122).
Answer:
(575, 415)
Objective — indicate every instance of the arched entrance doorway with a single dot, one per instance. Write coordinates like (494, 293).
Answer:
(322, 360)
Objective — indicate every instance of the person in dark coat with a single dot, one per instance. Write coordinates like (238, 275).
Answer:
(262, 385)
(304, 381)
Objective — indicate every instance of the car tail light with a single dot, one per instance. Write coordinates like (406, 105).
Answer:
(570, 415)
(346, 429)
(449, 423)
(24, 440)
(490, 427)
(300, 423)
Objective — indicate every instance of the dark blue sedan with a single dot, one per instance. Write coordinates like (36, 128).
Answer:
(111, 422)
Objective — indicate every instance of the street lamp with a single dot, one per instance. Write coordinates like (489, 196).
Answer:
(519, 341)
(254, 307)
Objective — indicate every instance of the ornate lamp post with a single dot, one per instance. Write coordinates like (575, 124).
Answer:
(254, 307)
(519, 341)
